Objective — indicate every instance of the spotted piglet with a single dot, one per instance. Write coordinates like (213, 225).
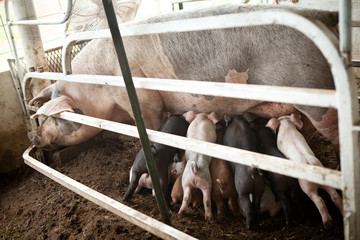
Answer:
(197, 173)
(293, 145)
(248, 180)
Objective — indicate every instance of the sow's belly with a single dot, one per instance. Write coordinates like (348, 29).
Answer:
(176, 102)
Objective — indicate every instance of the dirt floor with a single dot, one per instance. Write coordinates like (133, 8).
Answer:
(34, 207)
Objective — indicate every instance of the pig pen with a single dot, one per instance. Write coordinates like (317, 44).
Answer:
(33, 206)
(74, 207)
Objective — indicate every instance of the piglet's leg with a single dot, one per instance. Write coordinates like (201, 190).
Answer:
(247, 206)
(286, 207)
(220, 205)
(311, 189)
(335, 198)
(207, 204)
(134, 181)
(186, 200)
(234, 207)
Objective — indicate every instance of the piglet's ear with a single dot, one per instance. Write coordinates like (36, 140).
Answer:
(273, 124)
(295, 119)
(213, 117)
(189, 116)
(55, 106)
(153, 149)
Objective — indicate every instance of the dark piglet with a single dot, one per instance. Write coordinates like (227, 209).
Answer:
(248, 180)
(286, 189)
(163, 156)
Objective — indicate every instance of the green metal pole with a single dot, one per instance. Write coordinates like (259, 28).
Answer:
(125, 69)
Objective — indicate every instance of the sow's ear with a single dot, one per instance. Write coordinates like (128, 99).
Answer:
(127, 10)
(44, 95)
(295, 119)
(54, 106)
(273, 124)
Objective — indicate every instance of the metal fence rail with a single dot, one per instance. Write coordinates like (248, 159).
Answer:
(147, 223)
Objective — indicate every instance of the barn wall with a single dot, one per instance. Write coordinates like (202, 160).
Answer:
(13, 131)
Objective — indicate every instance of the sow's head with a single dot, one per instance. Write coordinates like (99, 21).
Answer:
(55, 132)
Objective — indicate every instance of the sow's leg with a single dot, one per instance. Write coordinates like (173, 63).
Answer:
(325, 120)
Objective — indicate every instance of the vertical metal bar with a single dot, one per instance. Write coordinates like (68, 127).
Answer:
(20, 70)
(348, 115)
(125, 69)
(345, 26)
(30, 38)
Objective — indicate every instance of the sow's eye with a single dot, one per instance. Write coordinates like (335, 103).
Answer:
(67, 127)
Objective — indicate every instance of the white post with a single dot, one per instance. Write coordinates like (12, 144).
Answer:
(30, 39)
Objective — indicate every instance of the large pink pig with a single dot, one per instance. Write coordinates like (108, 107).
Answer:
(197, 173)
(246, 55)
(293, 145)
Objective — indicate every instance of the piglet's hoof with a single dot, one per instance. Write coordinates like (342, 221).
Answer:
(209, 219)
(328, 225)
(181, 212)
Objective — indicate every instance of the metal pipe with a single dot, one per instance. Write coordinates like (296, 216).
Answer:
(61, 20)
(292, 95)
(125, 69)
(17, 87)
(323, 37)
(147, 223)
(347, 92)
(20, 70)
(33, 50)
(345, 26)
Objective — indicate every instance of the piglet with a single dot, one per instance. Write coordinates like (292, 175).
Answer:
(177, 192)
(248, 180)
(281, 185)
(197, 173)
(293, 145)
(173, 173)
(268, 203)
(223, 189)
(144, 182)
(163, 156)
(176, 168)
